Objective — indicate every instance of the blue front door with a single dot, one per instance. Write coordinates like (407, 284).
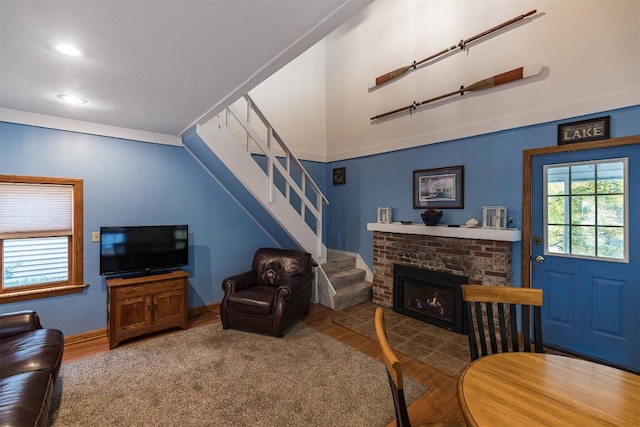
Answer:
(585, 234)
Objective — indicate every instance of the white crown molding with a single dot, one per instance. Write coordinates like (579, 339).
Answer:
(60, 123)
(310, 157)
(585, 107)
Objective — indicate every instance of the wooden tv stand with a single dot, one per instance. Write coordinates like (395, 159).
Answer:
(141, 305)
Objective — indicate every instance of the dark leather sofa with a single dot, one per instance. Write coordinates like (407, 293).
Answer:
(272, 296)
(30, 360)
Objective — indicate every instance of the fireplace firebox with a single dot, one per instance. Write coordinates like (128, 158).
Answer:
(431, 296)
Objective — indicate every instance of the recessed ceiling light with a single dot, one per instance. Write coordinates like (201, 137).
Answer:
(66, 49)
(70, 99)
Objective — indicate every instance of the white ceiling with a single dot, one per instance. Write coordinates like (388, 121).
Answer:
(152, 65)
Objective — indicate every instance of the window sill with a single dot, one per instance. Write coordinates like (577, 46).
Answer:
(41, 293)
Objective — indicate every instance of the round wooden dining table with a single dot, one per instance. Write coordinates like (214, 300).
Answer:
(529, 389)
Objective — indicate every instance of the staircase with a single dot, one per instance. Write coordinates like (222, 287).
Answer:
(347, 280)
(242, 138)
(274, 186)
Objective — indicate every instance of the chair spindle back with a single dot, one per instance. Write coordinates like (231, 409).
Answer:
(492, 313)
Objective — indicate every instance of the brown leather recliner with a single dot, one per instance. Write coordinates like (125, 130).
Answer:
(272, 296)
(30, 360)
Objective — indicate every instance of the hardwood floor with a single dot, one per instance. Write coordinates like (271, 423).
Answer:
(438, 404)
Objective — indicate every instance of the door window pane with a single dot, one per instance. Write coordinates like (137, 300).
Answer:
(557, 181)
(586, 205)
(611, 210)
(583, 241)
(557, 209)
(557, 236)
(611, 242)
(583, 179)
(583, 210)
(611, 178)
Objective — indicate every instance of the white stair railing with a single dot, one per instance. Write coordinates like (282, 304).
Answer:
(284, 171)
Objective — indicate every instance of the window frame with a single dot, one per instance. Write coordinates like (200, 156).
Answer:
(625, 226)
(74, 283)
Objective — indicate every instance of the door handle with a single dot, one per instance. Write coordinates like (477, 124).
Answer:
(539, 258)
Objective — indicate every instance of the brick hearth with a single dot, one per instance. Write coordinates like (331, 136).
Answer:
(485, 262)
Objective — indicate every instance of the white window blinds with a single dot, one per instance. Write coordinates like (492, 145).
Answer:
(35, 210)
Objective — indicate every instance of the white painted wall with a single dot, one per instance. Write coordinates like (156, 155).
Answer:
(590, 51)
(294, 102)
(321, 105)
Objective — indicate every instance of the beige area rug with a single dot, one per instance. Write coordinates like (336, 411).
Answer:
(209, 377)
(444, 350)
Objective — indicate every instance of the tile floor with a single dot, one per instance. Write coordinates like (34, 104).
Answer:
(444, 350)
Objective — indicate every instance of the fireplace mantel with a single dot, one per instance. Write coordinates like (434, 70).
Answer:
(505, 235)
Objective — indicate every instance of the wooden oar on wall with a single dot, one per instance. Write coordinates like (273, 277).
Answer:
(462, 44)
(500, 79)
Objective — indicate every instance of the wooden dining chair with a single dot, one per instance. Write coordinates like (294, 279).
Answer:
(492, 313)
(394, 374)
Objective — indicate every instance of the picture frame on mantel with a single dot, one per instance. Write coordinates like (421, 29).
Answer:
(439, 188)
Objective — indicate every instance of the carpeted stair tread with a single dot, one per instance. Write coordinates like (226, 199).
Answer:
(343, 278)
(336, 256)
(337, 261)
(346, 279)
(352, 295)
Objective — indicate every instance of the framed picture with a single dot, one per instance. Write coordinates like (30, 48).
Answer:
(440, 188)
(584, 130)
(340, 176)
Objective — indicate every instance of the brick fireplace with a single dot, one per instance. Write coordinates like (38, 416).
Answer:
(482, 261)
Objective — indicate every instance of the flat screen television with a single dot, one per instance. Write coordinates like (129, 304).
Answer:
(142, 249)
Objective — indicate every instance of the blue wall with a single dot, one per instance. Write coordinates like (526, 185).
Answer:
(133, 183)
(492, 176)
(129, 183)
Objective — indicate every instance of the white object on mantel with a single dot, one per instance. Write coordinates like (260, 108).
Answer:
(494, 217)
(384, 215)
(504, 235)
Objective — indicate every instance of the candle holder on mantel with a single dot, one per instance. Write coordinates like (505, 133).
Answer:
(384, 215)
(494, 217)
